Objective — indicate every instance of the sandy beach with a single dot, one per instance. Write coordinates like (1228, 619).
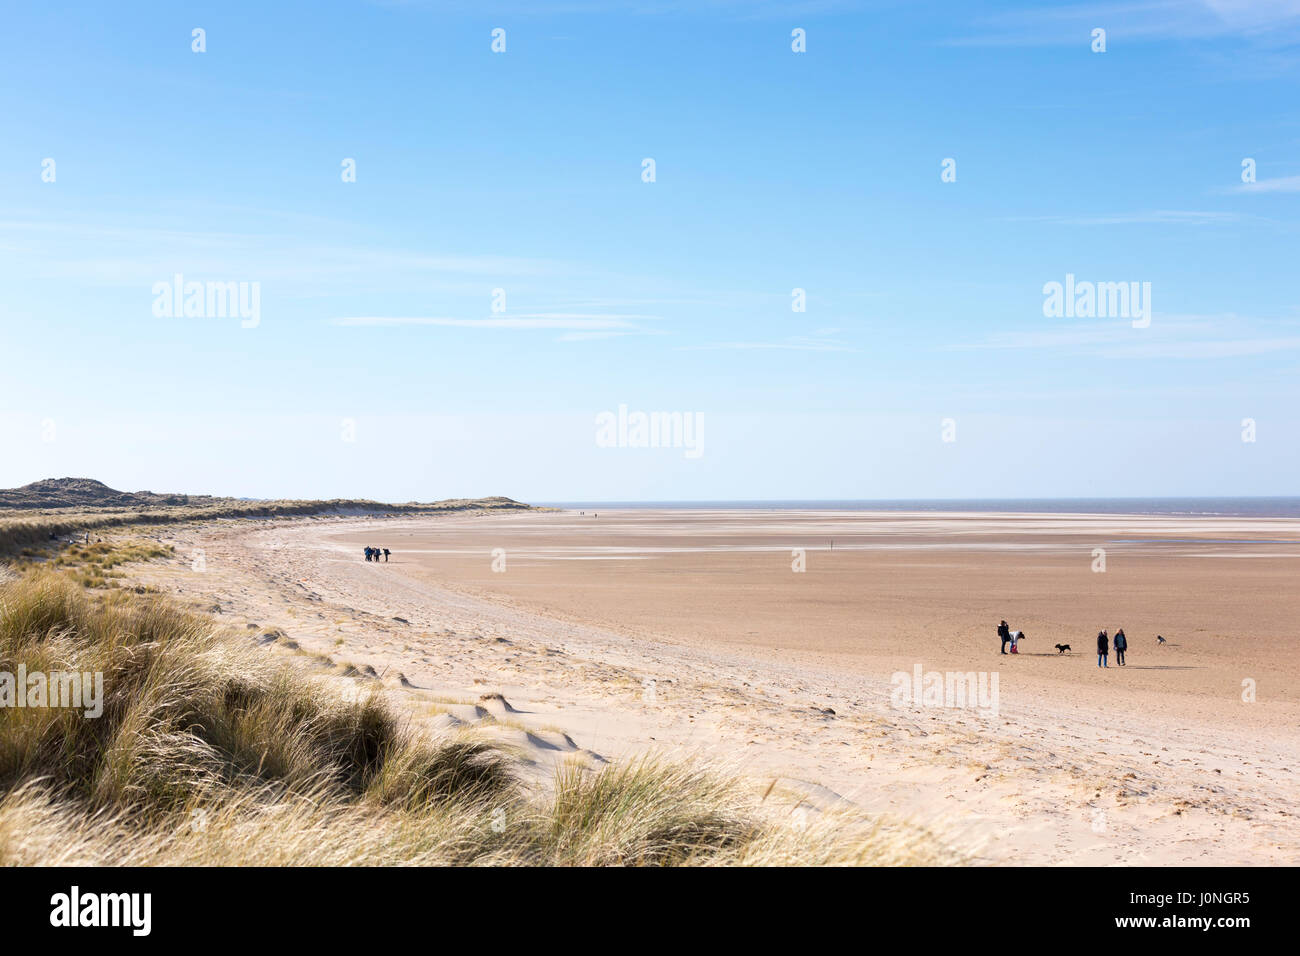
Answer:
(693, 633)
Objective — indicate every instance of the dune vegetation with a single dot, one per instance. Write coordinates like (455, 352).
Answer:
(211, 751)
(46, 527)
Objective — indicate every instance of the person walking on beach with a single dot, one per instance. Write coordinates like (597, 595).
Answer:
(1015, 641)
(1004, 632)
(1103, 649)
(385, 555)
(368, 553)
(1121, 645)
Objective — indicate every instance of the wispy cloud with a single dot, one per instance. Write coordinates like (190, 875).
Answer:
(1169, 336)
(536, 320)
(1221, 348)
(589, 336)
(819, 342)
(1175, 217)
(143, 254)
(1283, 184)
(737, 9)
(1273, 22)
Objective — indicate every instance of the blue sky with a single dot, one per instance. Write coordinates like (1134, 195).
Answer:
(378, 368)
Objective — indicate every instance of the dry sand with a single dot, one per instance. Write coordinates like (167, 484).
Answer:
(688, 632)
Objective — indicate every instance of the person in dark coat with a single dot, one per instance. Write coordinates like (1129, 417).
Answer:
(386, 553)
(1121, 645)
(1004, 632)
(1103, 649)
(369, 552)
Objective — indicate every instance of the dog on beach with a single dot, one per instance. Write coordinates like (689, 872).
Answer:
(1160, 640)
(1062, 648)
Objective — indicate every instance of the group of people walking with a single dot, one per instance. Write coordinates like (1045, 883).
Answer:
(1008, 636)
(1103, 648)
(372, 554)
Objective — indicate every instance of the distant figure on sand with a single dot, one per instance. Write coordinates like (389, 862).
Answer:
(1015, 641)
(1004, 632)
(1121, 645)
(1103, 649)
(368, 554)
(385, 554)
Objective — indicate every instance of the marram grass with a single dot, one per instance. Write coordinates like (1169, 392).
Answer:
(210, 751)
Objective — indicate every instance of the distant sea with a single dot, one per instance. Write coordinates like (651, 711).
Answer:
(1287, 507)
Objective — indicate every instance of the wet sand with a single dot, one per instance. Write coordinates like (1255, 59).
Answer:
(881, 592)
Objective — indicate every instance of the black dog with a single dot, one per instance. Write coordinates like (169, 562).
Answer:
(1062, 648)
